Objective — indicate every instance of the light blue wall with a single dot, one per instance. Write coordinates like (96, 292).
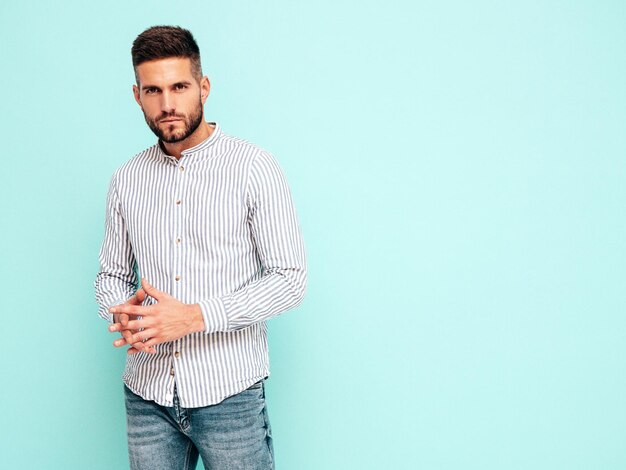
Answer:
(458, 169)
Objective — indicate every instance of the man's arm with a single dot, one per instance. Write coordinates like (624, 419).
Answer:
(278, 240)
(282, 286)
(117, 280)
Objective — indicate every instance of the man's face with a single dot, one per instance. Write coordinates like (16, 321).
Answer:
(170, 97)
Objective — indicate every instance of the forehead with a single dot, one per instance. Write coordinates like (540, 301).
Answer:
(162, 72)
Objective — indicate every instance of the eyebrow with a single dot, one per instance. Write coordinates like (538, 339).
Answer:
(185, 82)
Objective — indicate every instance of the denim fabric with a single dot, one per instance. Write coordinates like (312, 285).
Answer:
(232, 435)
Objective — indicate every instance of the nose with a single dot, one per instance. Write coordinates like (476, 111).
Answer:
(167, 103)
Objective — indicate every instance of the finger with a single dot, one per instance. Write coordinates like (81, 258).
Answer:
(141, 346)
(138, 298)
(141, 295)
(119, 318)
(134, 300)
(148, 349)
(139, 324)
(130, 325)
(128, 336)
(146, 346)
(133, 350)
(152, 342)
(124, 340)
(130, 310)
(142, 336)
(151, 290)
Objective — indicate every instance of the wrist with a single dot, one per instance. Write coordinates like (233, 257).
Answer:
(196, 318)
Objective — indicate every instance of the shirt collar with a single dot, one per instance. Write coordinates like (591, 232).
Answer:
(199, 149)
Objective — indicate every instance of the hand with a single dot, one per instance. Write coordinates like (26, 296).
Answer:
(166, 320)
(123, 318)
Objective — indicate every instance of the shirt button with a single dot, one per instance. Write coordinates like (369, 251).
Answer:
(172, 371)
(178, 202)
(182, 168)
(177, 278)
(177, 354)
(178, 240)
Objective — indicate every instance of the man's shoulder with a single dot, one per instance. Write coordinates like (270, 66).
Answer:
(137, 162)
(233, 146)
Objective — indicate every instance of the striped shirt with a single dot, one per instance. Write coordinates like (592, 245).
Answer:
(218, 228)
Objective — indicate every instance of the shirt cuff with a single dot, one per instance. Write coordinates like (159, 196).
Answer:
(214, 315)
(108, 315)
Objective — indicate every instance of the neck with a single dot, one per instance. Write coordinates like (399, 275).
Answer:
(175, 149)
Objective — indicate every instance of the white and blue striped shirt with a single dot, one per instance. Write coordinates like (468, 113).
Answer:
(216, 227)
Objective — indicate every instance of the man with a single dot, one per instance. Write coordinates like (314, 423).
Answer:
(209, 222)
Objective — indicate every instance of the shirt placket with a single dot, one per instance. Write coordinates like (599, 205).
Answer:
(178, 244)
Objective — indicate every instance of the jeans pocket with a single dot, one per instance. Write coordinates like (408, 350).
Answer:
(268, 435)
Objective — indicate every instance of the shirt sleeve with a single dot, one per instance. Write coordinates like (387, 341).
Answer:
(276, 234)
(117, 280)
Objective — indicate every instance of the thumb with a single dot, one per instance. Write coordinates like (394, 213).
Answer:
(138, 298)
(152, 291)
(141, 295)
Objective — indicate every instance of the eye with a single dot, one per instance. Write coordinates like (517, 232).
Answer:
(180, 86)
(149, 91)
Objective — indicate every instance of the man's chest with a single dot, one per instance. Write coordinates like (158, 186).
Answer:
(207, 205)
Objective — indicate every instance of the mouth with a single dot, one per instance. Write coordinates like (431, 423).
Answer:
(170, 120)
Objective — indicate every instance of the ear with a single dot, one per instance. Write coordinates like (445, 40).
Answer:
(136, 94)
(205, 88)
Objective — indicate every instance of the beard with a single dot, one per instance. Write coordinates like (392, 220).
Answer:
(169, 135)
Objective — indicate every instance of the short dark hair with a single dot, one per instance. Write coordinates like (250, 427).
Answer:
(161, 42)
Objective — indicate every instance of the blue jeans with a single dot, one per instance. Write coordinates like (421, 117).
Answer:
(234, 434)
